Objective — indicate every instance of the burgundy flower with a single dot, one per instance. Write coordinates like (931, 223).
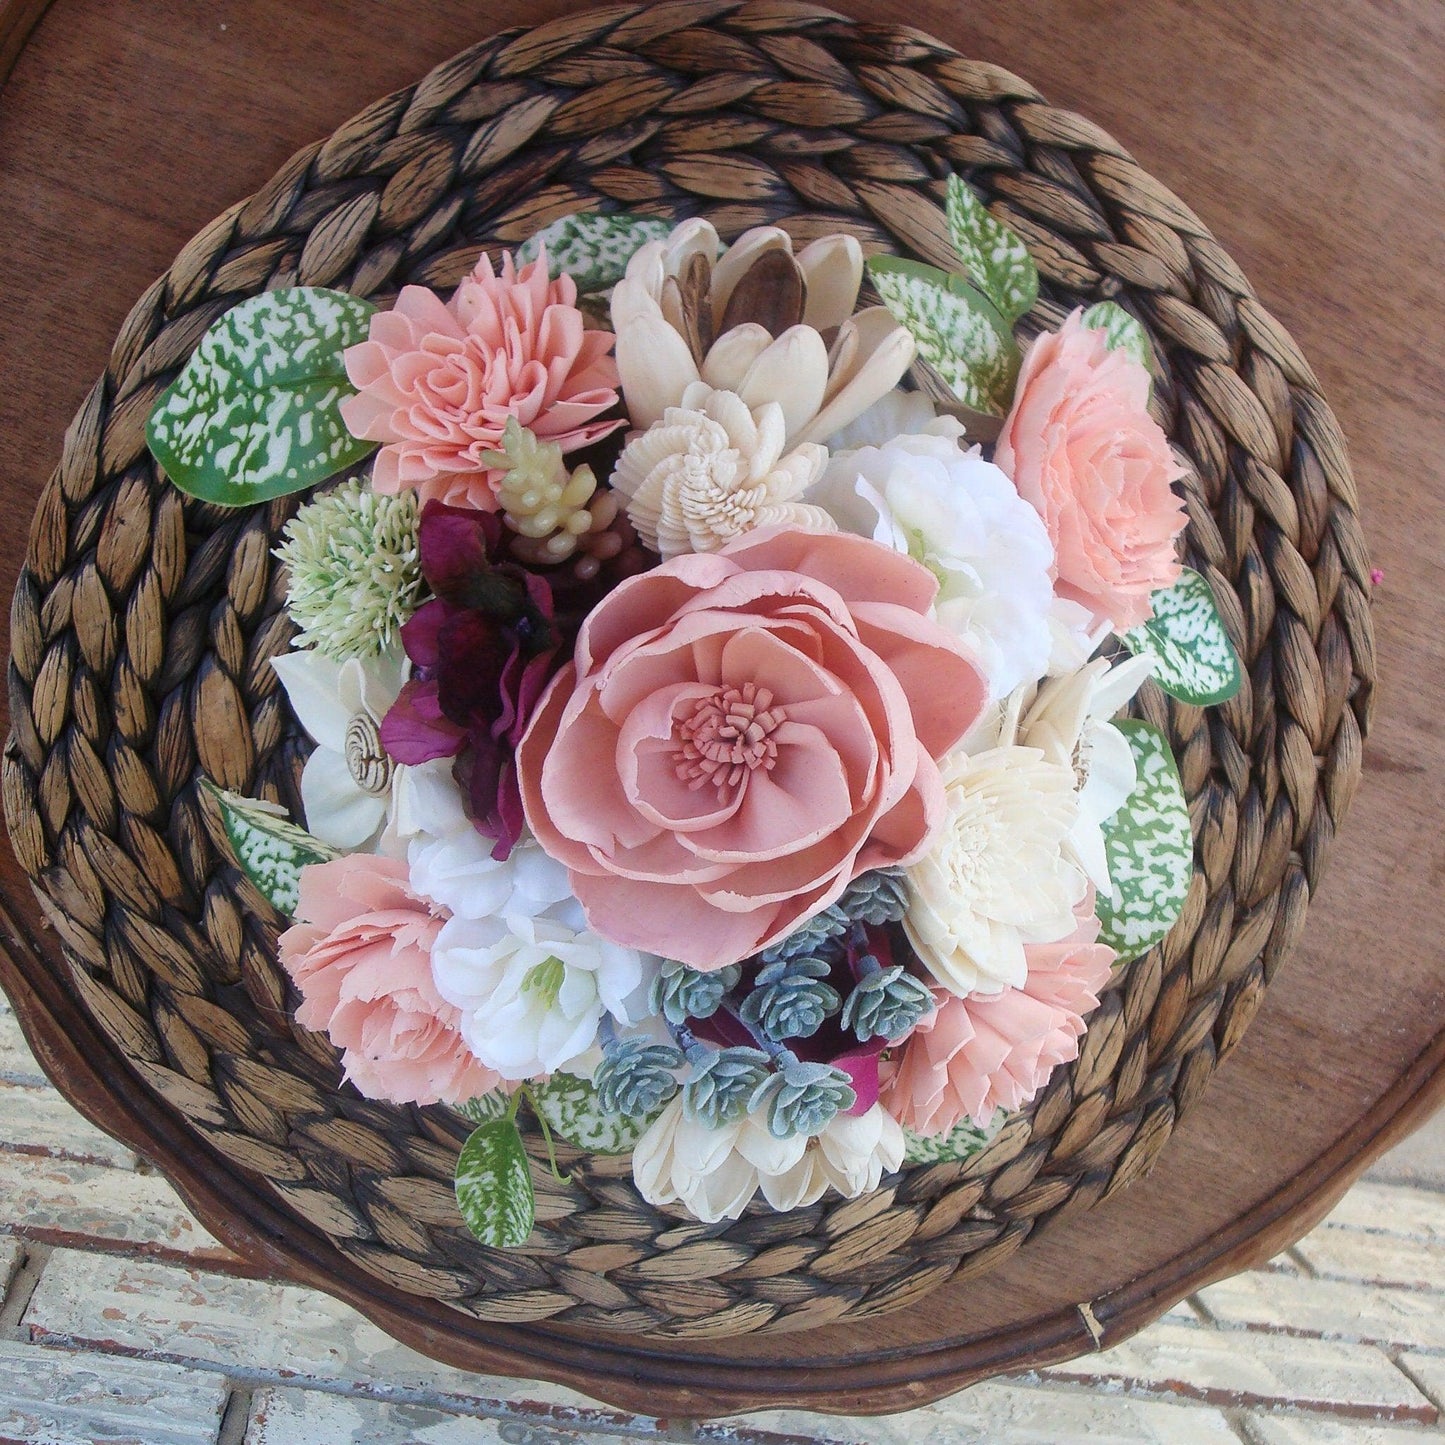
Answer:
(481, 651)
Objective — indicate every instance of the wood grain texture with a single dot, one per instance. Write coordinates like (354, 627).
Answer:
(17, 19)
(1367, 1055)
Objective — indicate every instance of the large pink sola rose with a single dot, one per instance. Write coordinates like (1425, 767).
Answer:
(1082, 449)
(743, 732)
(996, 1051)
(437, 381)
(361, 956)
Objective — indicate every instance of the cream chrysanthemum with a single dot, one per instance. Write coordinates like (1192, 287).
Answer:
(712, 469)
(1068, 720)
(997, 876)
(355, 570)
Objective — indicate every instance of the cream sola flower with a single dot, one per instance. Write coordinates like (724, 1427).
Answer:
(1068, 721)
(711, 469)
(348, 786)
(758, 321)
(997, 876)
(532, 982)
(961, 517)
(714, 1171)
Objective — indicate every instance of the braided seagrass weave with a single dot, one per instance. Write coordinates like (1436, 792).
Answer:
(143, 624)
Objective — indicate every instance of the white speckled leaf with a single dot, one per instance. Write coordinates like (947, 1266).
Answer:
(269, 848)
(593, 249)
(254, 413)
(494, 1185)
(1121, 331)
(485, 1107)
(569, 1105)
(1194, 660)
(996, 259)
(964, 1142)
(1150, 847)
(958, 331)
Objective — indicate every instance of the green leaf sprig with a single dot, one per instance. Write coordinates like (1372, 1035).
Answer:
(963, 324)
(1194, 660)
(268, 847)
(593, 249)
(1149, 844)
(255, 413)
(494, 1182)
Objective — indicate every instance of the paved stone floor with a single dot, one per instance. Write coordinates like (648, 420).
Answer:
(121, 1320)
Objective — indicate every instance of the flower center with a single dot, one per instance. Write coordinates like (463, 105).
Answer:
(367, 761)
(728, 736)
(545, 981)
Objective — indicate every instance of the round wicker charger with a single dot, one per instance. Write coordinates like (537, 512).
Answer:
(143, 623)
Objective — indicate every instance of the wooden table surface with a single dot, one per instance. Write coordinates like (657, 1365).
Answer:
(1310, 140)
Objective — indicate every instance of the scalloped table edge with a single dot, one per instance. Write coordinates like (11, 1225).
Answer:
(638, 1372)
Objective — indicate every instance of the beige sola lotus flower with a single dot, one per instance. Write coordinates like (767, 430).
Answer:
(758, 321)
(714, 1170)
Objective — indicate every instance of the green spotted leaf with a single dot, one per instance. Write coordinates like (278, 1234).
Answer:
(255, 414)
(485, 1107)
(964, 1142)
(1121, 331)
(593, 249)
(270, 849)
(1150, 847)
(958, 331)
(569, 1105)
(494, 1185)
(1194, 660)
(996, 259)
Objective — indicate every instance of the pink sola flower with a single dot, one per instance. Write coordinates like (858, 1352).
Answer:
(437, 381)
(360, 952)
(996, 1051)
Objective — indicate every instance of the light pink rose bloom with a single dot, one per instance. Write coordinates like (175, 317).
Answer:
(1083, 450)
(996, 1051)
(743, 732)
(437, 381)
(361, 956)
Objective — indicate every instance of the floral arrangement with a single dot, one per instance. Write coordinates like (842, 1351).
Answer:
(715, 686)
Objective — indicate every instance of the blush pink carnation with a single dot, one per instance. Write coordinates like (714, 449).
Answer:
(361, 956)
(436, 382)
(740, 734)
(996, 1051)
(1082, 449)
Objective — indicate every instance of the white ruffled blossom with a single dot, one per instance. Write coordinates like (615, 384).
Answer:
(532, 981)
(349, 782)
(711, 469)
(900, 413)
(1068, 721)
(963, 519)
(997, 875)
(1074, 636)
(714, 1172)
